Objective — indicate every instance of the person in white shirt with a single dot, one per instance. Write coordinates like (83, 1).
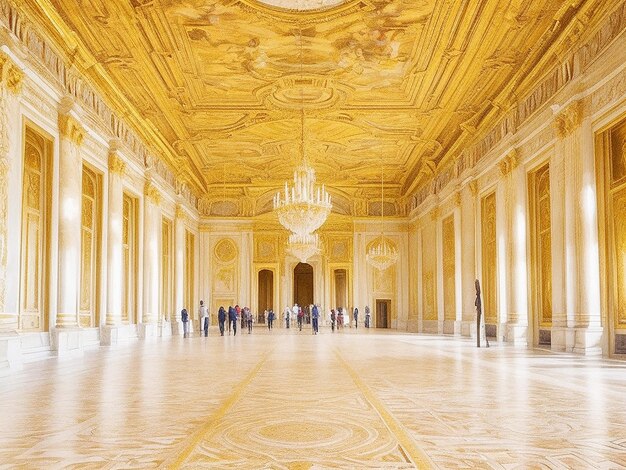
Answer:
(203, 315)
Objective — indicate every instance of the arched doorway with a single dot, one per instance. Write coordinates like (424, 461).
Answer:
(266, 293)
(303, 293)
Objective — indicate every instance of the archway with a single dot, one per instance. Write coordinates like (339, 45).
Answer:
(303, 292)
(266, 293)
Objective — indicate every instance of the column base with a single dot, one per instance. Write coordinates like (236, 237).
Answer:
(147, 330)
(67, 341)
(10, 352)
(516, 334)
(112, 335)
(165, 330)
(457, 327)
(412, 326)
(587, 341)
(177, 328)
(468, 328)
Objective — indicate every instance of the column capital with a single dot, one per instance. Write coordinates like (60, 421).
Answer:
(473, 187)
(117, 166)
(11, 76)
(152, 193)
(567, 119)
(509, 162)
(434, 213)
(181, 214)
(71, 129)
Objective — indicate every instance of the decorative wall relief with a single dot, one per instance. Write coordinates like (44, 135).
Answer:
(265, 249)
(225, 251)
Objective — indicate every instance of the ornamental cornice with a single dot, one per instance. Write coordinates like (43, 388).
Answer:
(71, 129)
(181, 214)
(11, 76)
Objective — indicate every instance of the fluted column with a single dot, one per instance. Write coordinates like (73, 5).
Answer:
(70, 187)
(10, 89)
(179, 266)
(152, 200)
(114, 241)
(458, 266)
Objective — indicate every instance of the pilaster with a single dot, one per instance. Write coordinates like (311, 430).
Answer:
(179, 257)
(579, 329)
(10, 90)
(114, 248)
(152, 201)
(70, 188)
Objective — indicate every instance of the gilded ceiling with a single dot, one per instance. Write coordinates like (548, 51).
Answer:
(399, 83)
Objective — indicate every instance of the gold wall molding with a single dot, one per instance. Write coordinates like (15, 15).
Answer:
(11, 76)
(71, 129)
(568, 119)
(152, 193)
(117, 166)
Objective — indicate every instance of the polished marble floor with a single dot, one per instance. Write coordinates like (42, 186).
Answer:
(371, 399)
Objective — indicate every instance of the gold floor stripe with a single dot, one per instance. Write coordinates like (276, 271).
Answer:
(211, 424)
(417, 456)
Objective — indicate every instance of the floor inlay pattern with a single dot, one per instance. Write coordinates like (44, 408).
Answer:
(297, 401)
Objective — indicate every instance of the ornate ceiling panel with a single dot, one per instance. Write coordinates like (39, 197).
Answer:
(224, 81)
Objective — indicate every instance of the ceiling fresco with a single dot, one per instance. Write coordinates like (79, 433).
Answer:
(398, 84)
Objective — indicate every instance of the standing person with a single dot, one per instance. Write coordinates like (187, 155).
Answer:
(287, 316)
(367, 316)
(184, 316)
(239, 315)
(232, 320)
(333, 317)
(300, 314)
(203, 315)
(248, 315)
(356, 317)
(270, 319)
(340, 318)
(221, 318)
(315, 314)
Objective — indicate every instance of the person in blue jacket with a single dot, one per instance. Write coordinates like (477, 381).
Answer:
(232, 319)
(316, 315)
(221, 318)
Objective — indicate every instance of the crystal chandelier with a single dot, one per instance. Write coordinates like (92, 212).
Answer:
(305, 206)
(382, 254)
(304, 246)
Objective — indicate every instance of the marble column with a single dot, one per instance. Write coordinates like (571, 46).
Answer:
(179, 273)
(70, 196)
(111, 332)
(517, 322)
(10, 89)
(420, 282)
(579, 329)
(440, 298)
(413, 263)
(66, 337)
(469, 240)
(458, 266)
(502, 253)
(152, 227)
